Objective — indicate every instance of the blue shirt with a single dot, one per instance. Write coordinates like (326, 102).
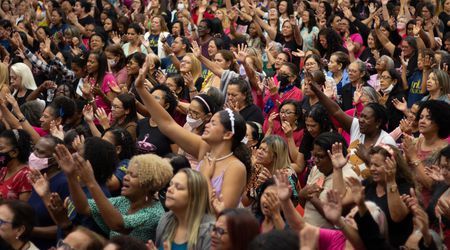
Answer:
(415, 85)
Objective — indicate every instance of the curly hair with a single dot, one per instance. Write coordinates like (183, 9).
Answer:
(123, 139)
(153, 171)
(439, 113)
(21, 141)
(169, 97)
(244, 88)
(102, 156)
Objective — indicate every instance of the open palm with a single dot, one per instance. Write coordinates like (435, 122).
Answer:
(337, 157)
(283, 186)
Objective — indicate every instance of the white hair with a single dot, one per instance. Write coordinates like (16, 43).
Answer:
(22, 70)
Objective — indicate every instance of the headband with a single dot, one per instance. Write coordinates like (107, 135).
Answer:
(231, 116)
(204, 102)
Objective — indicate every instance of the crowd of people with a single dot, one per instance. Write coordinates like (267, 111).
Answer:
(224, 125)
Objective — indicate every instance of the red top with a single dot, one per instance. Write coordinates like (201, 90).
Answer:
(12, 187)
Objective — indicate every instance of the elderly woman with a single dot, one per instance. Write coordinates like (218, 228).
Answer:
(135, 212)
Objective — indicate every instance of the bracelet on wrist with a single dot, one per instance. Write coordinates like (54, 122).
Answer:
(22, 119)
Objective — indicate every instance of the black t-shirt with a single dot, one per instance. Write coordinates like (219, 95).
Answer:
(445, 18)
(151, 140)
(86, 20)
(398, 232)
(252, 113)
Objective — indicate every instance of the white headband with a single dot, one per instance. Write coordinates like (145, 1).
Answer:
(231, 116)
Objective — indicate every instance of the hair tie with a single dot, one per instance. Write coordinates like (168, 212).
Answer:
(204, 102)
(231, 116)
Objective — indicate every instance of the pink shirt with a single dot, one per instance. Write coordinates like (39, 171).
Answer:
(108, 80)
(331, 239)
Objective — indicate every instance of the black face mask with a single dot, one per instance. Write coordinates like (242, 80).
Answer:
(5, 158)
(283, 79)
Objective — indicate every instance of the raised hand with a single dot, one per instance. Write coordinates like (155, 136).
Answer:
(78, 143)
(272, 117)
(217, 202)
(287, 129)
(310, 191)
(409, 147)
(358, 93)
(196, 49)
(242, 53)
(65, 160)
(160, 77)
(272, 203)
(332, 208)
(84, 170)
(116, 39)
(56, 130)
(357, 189)
(390, 169)
(309, 237)
(435, 173)
(406, 126)
(273, 89)
(337, 157)
(102, 117)
(400, 105)
(139, 82)
(189, 80)
(328, 91)
(298, 53)
(88, 113)
(284, 188)
(39, 182)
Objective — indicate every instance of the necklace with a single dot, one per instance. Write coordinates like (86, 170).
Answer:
(219, 159)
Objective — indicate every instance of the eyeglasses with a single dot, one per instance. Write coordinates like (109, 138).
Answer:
(116, 107)
(4, 222)
(194, 114)
(386, 77)
(286, 112)
(63, 245)
(218, 230)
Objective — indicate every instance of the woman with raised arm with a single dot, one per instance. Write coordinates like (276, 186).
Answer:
(367, 130)
(226, 161)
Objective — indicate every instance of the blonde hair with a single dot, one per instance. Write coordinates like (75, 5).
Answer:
(196, 69)
(198, 206)
(153, 171)
(225, 22)
(4, 75)
(22, 70)
(279, 149)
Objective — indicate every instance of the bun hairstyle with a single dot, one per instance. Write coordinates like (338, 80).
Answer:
(234, 122)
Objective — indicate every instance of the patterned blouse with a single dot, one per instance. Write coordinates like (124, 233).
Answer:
(12, 187)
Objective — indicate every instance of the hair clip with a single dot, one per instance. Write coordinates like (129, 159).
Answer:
(231, 116)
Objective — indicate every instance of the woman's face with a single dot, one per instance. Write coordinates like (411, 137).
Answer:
(288, 114)
(177, 194)
(219, 15)
(235, 96)
(251, 142)
(273, 14)
(264, 155)
(312, 126)
(214, 130)
(46, 118)
(336, 23)
(186, 65)
(447, 6)
(56, 18)
(176, 29)
(160, 96)
(108, 25)
(220, 239)
(305, 16)
(172, 85)
(252, 30)
(131, 186)
(132, 36)
(426, 124)
(322, 160)
(432, 83)
(96, 43)
(92, 64)
(367, 121)
(426, 14)
(77, 9)
(344, 25)
(323, 41)
(333, 65)
(117, 109)
(371, 41)
(62, 90)
(7, 232)
(136, 4)
(287, 30)
(133, 67)
(386, 80)
(6, 6)
(381, 64)
(377, 163)
(264, 203)
(15, 80)
(156, 25)
(196, 111)
(219, 60)
(212, 48)
(354, 74)
(76, 240)
(40, 34)
(280, 59)
(282, 7)
(311, 65)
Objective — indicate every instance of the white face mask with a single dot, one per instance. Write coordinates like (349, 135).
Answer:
(112, 62)
(193, 123)
(388, 89)
(180, 6)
